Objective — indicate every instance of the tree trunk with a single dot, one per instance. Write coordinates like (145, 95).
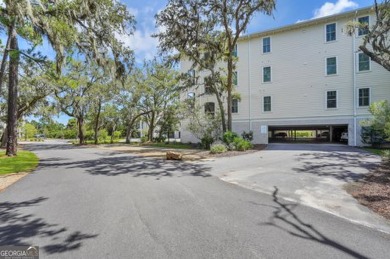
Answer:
(4, 138)
(4, 60)
(12, 96)
(129, 131)
(96, 129)
(151, 127)
(80, 122)
(222, 111)
(229, 92)
(112, 134)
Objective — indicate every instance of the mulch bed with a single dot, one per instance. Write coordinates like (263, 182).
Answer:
(255, 148)
(374, 190)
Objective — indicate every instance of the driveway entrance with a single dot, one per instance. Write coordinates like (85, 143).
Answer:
(312, 174)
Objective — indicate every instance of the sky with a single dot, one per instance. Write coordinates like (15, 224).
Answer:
(287, 12)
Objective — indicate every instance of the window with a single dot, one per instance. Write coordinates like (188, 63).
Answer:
(208, 90)
(266, 74)
(364, 97)
(267, 103)
(266, 45)
(235, 51)
(364, 25)
(191, 75)
(364, 62)
(331, 99)
(331, 32)
(331, 66)
(234, 106)
(209, 108)
(235, 78)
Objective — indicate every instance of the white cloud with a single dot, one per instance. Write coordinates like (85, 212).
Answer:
(334, 8)
(142, 42)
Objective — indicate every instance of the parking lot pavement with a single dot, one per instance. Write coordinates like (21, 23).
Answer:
(311, 174)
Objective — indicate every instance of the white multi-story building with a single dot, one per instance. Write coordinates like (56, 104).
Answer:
(309, 76)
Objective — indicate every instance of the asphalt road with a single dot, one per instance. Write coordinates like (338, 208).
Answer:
(89, 203)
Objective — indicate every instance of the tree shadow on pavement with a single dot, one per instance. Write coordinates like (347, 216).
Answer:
(345, 166)
(16, 227)
(298, 228)
(134, 166)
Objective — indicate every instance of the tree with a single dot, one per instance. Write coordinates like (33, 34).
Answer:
(35, 85)
(29, 131)
(376, 42)
(377, 129)
(73, 92)
(89, 26)
(196, 29)
(161, 92)
(130, 99)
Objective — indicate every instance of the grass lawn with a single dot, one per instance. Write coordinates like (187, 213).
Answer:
(169, 145)
(377, 151)
(25, 161)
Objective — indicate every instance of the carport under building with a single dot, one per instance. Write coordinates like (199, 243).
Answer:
(311, 133)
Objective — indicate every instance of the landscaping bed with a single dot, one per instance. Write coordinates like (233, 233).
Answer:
(374, 190)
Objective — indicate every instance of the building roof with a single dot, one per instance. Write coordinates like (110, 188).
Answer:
(303, 24)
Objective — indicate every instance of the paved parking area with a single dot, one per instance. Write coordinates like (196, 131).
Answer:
(311, 174)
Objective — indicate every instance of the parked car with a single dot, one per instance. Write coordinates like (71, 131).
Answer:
(280, 135)
(324, 134)
(344, 137)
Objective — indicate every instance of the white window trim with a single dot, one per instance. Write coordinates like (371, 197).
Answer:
(262, 107)
(262, 45)
(335, 33)
(369, 97)
(369, 24)
(262, 75)
(326, 99)
(337, 66)
(357, 64)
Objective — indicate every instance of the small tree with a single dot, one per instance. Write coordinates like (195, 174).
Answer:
(29, 131)
(206, 127)
(377, 129)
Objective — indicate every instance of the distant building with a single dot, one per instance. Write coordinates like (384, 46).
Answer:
(305, 77)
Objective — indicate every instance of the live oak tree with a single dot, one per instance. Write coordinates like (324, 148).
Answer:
(87, 26)
(73, 93)
(194, 29)
(161, 93)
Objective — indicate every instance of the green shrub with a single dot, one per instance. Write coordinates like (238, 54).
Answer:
(228, 138)
(247, 135)
(70, 134)
(102, 136)
(116, 135)
(242, 144)
(386, 154)
(218, 149)
(159, 139)
(144, 139)
(89, 135)
(206, 142)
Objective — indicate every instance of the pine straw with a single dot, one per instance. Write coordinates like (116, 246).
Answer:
(374, 190)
